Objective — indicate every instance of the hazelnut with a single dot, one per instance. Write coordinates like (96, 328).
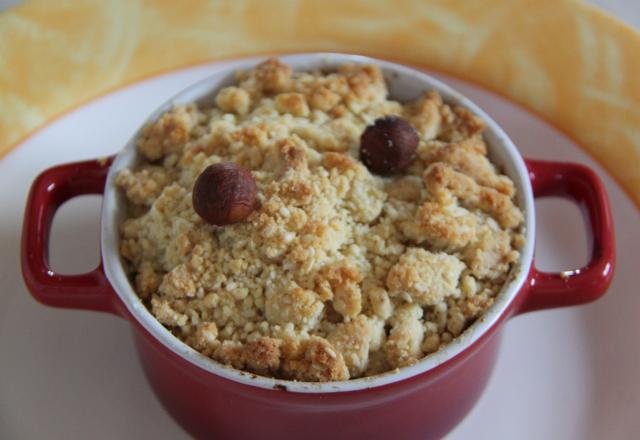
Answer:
(389, 145)
(224, 193)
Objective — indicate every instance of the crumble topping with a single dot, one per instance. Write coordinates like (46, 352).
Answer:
(338, 273)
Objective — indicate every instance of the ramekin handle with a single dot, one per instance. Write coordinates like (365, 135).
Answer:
(53, 187)
(572, 287)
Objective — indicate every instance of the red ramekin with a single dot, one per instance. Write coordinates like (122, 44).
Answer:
(423, 401)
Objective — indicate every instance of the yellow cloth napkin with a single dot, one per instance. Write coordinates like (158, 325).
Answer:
(571, 64)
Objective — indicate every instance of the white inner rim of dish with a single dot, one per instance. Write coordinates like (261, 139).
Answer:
(404, 84)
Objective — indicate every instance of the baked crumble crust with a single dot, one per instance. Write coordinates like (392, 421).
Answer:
(338, 273)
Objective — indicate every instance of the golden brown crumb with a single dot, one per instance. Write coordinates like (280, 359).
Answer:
(260, 356)
(489, 255)
(178, 283)
(471, 161)
(338, 111)
(314, 360)
(293, 103)
(168, 134)
(424, 277)
(298, 306)
(147, 280)
(206, 336)
(234, 99)
(379, 300)
(263, 354)
(424, 114)
(445, 226)
(293, 152)
(165, 314)
(323, 99)
(352, 340)
(340, 161)
(440, 178)
(273, 76)
(460, 123)
(430, 343)
(408, 189)
(145, 185)
(365, 82)
(405, 338)
(344, 282)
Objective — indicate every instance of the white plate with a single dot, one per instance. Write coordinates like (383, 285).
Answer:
(569, 374)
